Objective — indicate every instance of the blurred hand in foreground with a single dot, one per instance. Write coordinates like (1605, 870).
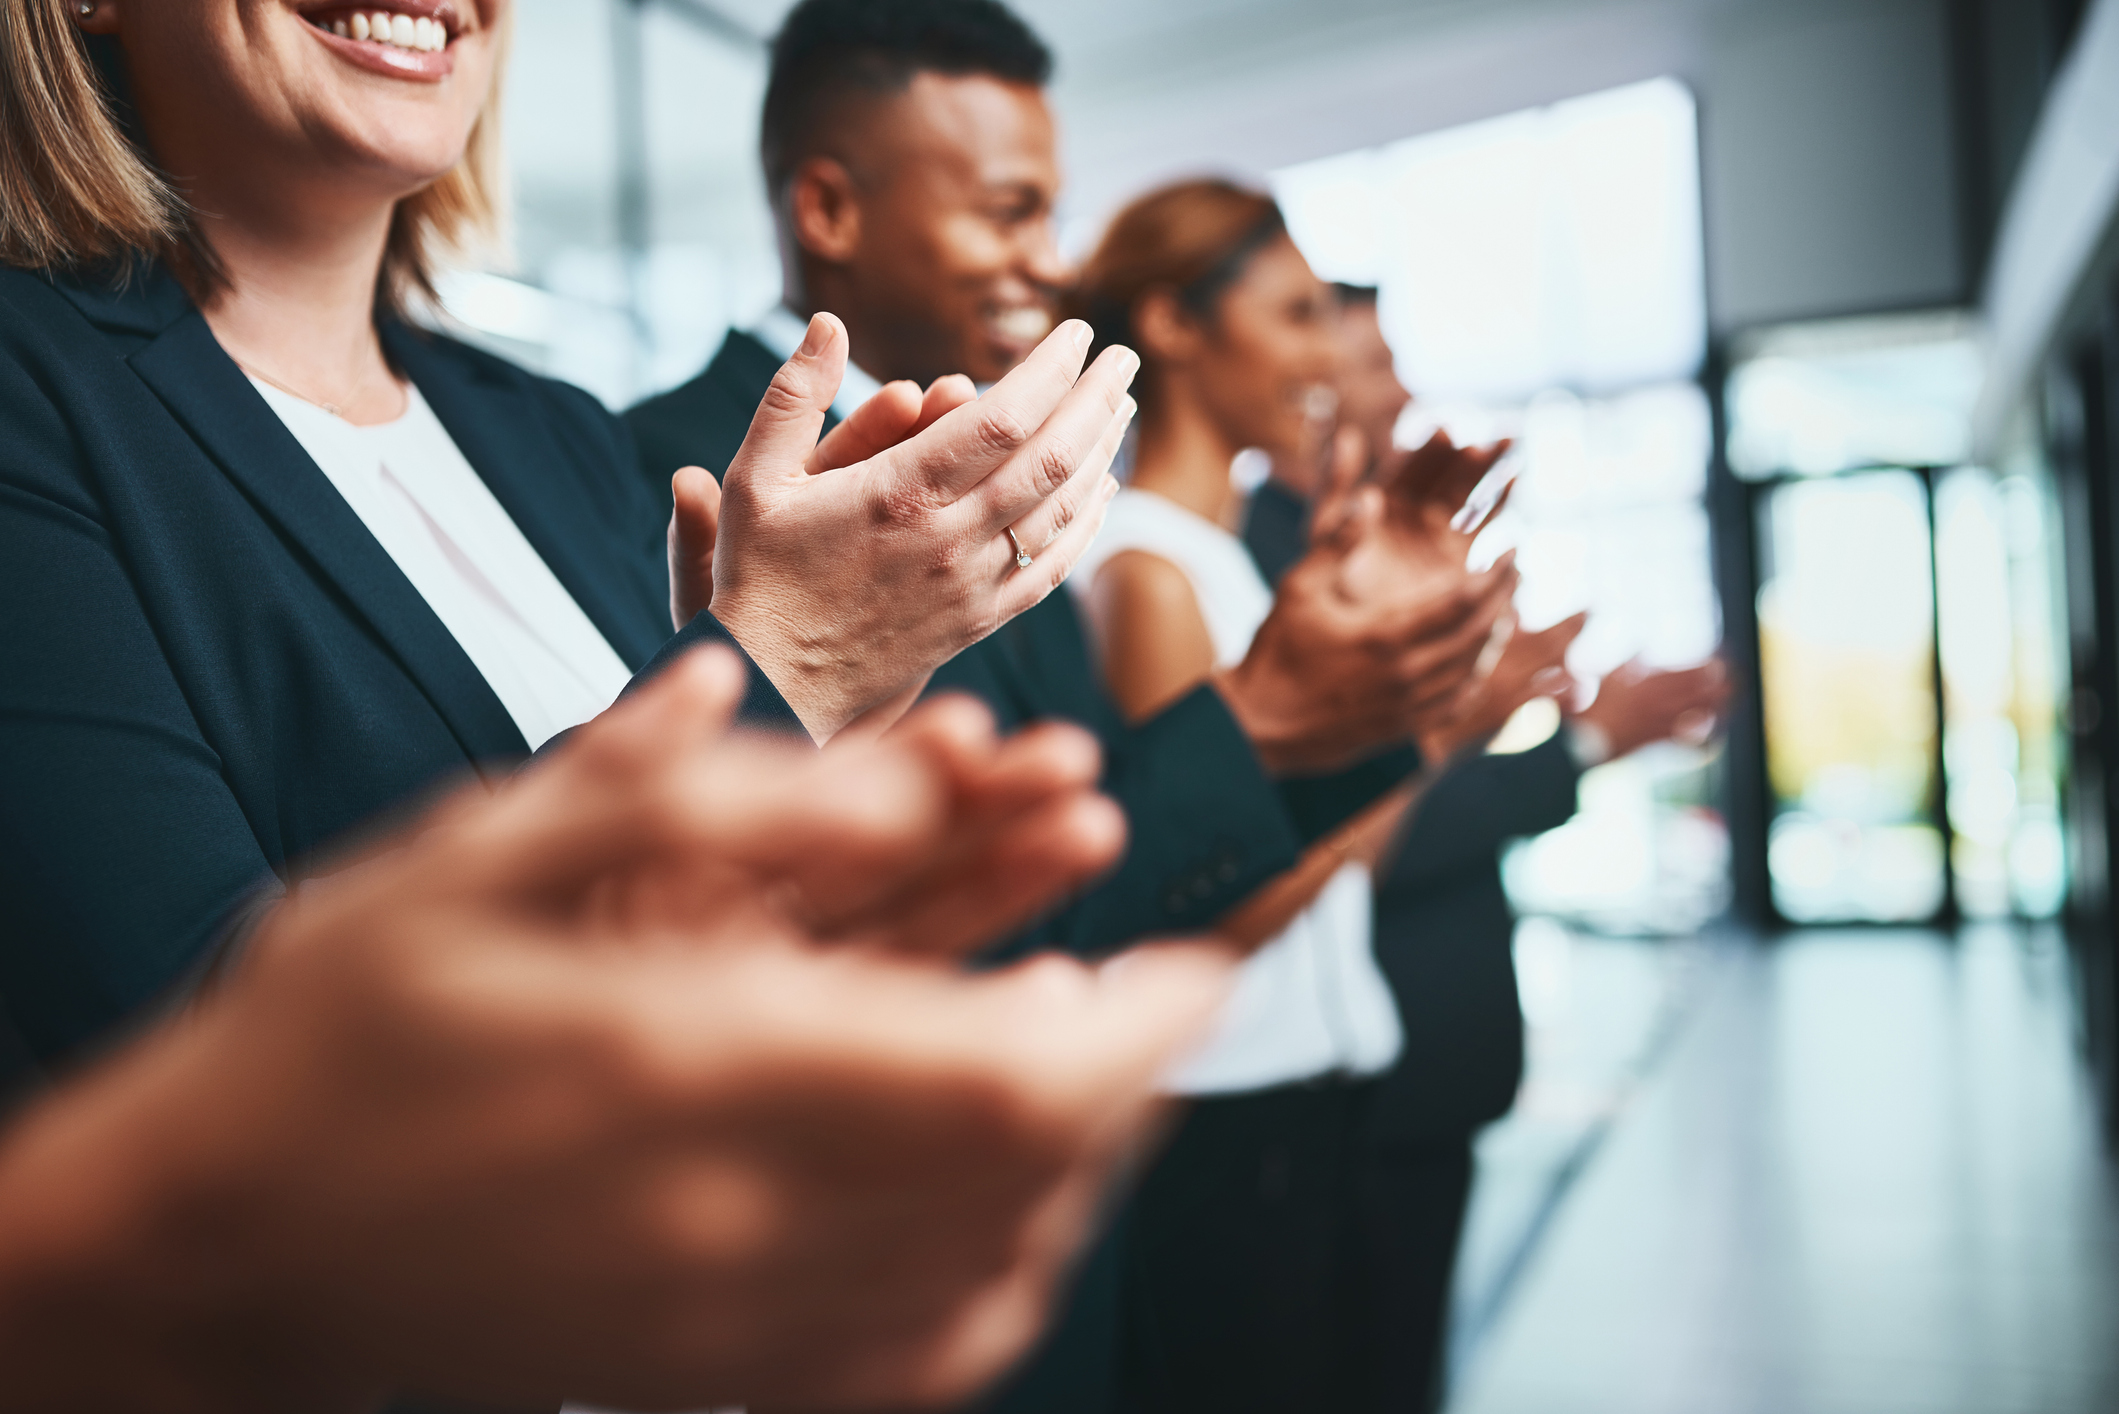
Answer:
(566, 1096)
(852, 568)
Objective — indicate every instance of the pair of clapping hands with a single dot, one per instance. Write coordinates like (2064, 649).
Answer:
(649, 1079)
(849, 569)
(1428, 504)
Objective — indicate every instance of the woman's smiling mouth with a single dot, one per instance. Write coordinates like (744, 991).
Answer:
(403, 38)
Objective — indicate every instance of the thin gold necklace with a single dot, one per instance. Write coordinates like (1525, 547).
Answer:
(335, 409)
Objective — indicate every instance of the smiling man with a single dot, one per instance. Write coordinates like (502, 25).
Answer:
(910, 161)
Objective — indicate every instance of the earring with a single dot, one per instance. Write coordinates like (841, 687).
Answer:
(85, 8)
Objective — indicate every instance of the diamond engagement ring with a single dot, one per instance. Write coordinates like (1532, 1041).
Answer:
(1022, 556)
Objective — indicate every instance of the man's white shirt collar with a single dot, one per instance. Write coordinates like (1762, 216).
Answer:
(780, 329)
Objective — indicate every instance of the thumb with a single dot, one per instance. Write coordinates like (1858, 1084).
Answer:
(784, 431)
(695, 523)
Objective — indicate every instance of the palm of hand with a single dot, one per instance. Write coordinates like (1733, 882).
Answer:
(1423, 537)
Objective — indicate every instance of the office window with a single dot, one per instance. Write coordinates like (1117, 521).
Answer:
(1908, 628)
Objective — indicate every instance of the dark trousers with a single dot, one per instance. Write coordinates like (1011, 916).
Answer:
(1276, 1260)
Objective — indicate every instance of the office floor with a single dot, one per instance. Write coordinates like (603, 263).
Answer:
(1845, 1173)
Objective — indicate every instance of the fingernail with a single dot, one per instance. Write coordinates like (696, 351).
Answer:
(1079, 332)
(1130, 364)
(817, 335)
(1131, 407)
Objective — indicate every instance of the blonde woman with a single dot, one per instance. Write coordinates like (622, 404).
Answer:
(276, 562)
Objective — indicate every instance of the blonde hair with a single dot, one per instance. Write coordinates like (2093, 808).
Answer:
(76, 191)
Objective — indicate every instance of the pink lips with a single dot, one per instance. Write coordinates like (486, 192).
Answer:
(429, 66)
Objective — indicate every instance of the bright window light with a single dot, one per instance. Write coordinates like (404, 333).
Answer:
(1554, 247)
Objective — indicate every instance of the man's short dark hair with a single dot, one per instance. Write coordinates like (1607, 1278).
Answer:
(829, 49)
(1350, 295)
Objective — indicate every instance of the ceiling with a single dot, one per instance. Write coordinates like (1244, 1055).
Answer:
(1825, 124)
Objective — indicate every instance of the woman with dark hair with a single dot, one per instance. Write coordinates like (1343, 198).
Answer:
(1244, 1248)
(277, 562)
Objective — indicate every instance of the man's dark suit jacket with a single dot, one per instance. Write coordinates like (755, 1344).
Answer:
(1207, 825)
(1443, 926)
(211, 668)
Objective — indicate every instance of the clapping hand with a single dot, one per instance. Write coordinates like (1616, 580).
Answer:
(1635, 705)
(850, 569)
(589, 1089)
(1530, 665)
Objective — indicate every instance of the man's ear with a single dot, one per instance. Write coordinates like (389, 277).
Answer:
(1167, 333)
(824, 209)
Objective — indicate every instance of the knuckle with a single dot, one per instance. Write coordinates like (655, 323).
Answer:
(1001, 431)
(788, 393)
(1053, 468)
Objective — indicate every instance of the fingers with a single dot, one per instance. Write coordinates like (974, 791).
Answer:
(1014, 869)
(1046, 521)
(784, 430)
(1026, 827)
(1360, 513)
(1549, 645)
(886, 419)
(695, 524)
(1342, 478)
(944, 396)
(1026, 588)
(1442, 662)
(579, 812)
(1149, 1004)
(973, 441)
(1091, 415)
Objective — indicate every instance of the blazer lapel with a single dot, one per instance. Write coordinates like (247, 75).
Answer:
(200, 384)
(508, 442)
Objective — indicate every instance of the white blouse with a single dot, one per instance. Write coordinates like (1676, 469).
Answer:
(406, 480)
(1312, 1001)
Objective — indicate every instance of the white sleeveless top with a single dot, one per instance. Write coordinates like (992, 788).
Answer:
(1312, 1001)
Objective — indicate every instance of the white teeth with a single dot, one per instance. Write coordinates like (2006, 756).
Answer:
(403, 31)
(1025, 322)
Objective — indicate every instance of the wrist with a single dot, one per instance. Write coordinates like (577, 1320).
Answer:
(812, 681)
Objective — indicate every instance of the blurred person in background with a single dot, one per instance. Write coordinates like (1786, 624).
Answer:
(1366, 397)
(1246, 1247)
(278, 562)
(648, 1078)
(1443, 926)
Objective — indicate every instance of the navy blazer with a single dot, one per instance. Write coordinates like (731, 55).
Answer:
(1208, 826)
(211, 668)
